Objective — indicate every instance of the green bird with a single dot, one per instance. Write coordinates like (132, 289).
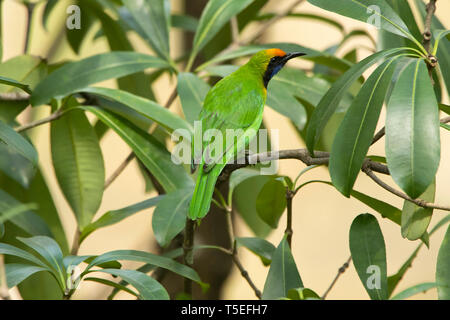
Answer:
(236, 102)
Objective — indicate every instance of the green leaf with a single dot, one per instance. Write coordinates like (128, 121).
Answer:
(239, 176)
(354, 136)
(169, 217)
(80, 74)
(152, 153)
(271, 202)
(262, 248)
(115, 216)
(438, 35)
(215, 15)
(411, 291)
(369, 255)
(21, 215)
(113, 284)
(302, 294)
(192, 91)
(49, 250)
(16, 273)
(49, 6)
(17, 143)
(78, 164)
(15, 165)
(148, 288)
(375, 12)
(144, 107)
(283, 274)
(14, 83)
(394, 279)
(10, 250)
(24, 72)
(415, 219)
(153, 259)
(445, 126)
(330, 101)
(244, 200)
(2, 230)
(443, 268)
(412, 130)
(184, 22)
(153, 18)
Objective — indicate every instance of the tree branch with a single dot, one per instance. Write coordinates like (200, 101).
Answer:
(341, 270)
(431, 9)
(289, 232)
(188, 249)
(54, 116)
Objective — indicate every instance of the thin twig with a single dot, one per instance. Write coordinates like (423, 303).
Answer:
(234, 256)
(76, 243)
(341, 270)
(54, 116)
(188, 251)
(289, 232)
(419, 202)
(378, 135)
(431, 9)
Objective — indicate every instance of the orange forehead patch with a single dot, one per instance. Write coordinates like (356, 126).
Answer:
(275, 52)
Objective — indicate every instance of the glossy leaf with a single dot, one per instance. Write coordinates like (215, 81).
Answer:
(330, 101)
(113, 284)
(369, 255)
(169, 217)
(415, 219)
(262, 248)
(411, 291)
(152, 153)
(80, 74)
(185, 22)
(302, 294)
(7, 249)
(145, 107)
(412, 130)
(78, 164)
(192, 91)
(115, 216)
(443, 268)
(271, 202)
(354, 136)
(438, 35)
(23, 71)
(14, 83)
(16, 273)
(283, 274)
(148, 288)
(215, 15)
(153, 18)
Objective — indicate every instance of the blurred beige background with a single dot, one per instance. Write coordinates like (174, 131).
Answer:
(322, 216)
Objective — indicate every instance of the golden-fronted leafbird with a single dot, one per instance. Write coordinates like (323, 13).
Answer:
(234, 103)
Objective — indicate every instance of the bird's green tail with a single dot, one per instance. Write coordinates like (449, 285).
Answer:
(204, 190)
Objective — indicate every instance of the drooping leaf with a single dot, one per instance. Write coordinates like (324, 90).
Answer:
(148, 288)
(192, 91)
(113, 284)
(355, 133)
(152, 153)
(115, 216)
(214, 16)
(153, 18)
(415, 219)
(271, 202)
(369, 255)
(412, 130)
(443, 268)
(262, 248)
(169, 217)
(17, 143)
(7, 249)
(16, 273)
(283, 274)
(145, 107)
(330, 101)
(78, 163)
(83, 73)
(375, 12)
(23, 71)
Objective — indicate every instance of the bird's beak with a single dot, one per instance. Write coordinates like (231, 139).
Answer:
(292, 55)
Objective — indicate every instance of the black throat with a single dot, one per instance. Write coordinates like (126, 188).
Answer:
(273, 67)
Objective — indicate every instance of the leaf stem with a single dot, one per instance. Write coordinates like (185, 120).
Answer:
(341, 270)
(54, 116)
(289, 232)
(188, 251)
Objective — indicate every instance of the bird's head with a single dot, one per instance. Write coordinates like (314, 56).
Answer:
(270, 62)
